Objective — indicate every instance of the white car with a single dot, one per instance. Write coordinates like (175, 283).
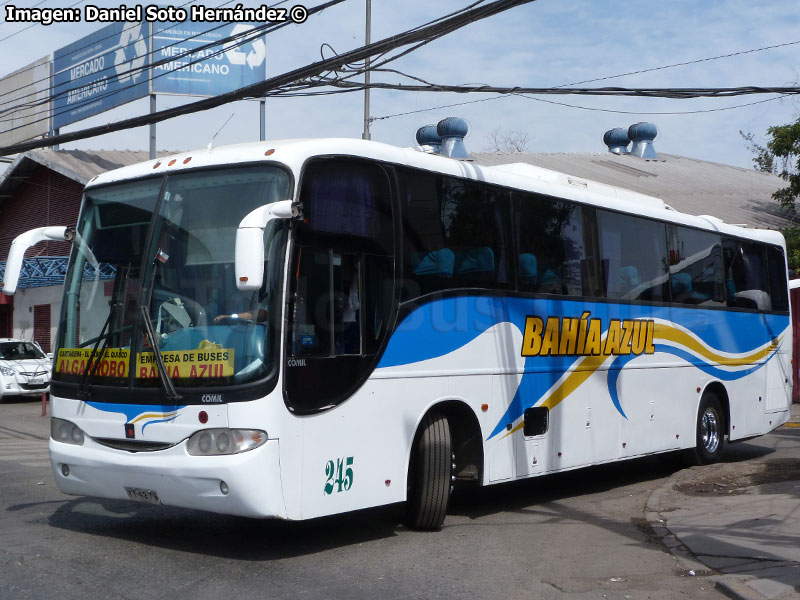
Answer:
(24, 369)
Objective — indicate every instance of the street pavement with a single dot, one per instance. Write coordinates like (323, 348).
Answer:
(738, 522)
(730, 529)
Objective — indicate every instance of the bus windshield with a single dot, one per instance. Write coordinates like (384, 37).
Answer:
(168, 246)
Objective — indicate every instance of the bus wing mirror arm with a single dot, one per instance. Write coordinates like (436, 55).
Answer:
(249, 257)
(21, 244)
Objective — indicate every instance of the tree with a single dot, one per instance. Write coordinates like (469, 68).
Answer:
(763, 159)
(509, 142)
(781, 155)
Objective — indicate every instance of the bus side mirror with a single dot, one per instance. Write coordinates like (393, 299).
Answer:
(249, 257)
(24, 241)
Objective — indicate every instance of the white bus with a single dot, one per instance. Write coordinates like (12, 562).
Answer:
(301, 328)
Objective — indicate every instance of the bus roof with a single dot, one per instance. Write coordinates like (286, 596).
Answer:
(295, 152)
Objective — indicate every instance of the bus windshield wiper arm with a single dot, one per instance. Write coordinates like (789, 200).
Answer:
(169, 387)
(94, 359)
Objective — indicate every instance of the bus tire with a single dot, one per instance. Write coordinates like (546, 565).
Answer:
(429, 474)
(710, 432)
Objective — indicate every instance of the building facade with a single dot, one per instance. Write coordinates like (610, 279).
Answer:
(44, 188)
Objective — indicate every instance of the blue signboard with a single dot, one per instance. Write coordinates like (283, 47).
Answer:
(100, 71)
(192, 71)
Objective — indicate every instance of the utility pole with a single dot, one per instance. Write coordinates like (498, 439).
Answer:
(262, 119)
(152, 94)
(152, 127)
(365, 135)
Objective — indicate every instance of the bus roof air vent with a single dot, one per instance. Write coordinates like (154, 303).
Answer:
(617, 140)
(428, 139)
(642, 136)
(453, 130)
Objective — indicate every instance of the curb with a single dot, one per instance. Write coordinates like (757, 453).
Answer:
(732, 586)
(687, 562)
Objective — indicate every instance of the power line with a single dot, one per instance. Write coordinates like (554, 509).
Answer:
(128, 72)
(671, 93)
(35, 24)
(668, 93)
(260, 89)
(243, 37)
(421, 110)
(27, 7)
(129, 44)
(626, 112)
(682, 64)
(232, 42)
(605, 78)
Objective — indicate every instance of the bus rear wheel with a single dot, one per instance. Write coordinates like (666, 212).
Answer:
(710, 432)
(429, 475)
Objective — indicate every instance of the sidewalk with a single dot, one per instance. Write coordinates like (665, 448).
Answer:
(738, 521)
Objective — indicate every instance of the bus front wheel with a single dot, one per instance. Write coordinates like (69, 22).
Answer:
(429, 474)
(710, 432)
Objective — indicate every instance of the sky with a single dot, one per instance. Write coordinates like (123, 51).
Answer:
(541, 44)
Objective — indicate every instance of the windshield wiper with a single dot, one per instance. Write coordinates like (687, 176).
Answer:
(166, 381)
(94, 358)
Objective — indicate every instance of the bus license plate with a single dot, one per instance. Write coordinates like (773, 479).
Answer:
(140, 495)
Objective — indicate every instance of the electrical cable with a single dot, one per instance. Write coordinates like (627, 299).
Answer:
(671, 93)
(682, 64)
(35, 24)
(25, 7)
(134, 70)
(637, 72)
(260, 89)
(128, 45)
(625, 112)
(231, 42)
(245, 38)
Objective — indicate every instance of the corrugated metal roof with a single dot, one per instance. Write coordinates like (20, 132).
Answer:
(697, 187)
(79, 165)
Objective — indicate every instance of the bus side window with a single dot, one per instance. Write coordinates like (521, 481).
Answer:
(348, 201)
(633, 254)
(696, 268)
(342, 303)
(454, 233)
(378, 294)
(311, 319)
(327, 307)
(777, 279)
(550, 245)
(746, 280)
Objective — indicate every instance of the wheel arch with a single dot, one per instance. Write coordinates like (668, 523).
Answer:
(466, 436)
(717, 388)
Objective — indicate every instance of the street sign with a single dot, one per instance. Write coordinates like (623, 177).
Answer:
(24, 90)
(225, 68)
(100, 71)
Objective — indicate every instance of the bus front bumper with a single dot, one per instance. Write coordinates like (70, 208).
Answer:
(246, 484)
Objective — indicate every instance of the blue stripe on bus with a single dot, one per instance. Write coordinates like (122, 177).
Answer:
(619, 363)
(131, 411)
(443, 326)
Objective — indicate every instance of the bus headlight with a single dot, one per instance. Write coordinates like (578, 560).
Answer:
(216, 442)
(66, 432)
